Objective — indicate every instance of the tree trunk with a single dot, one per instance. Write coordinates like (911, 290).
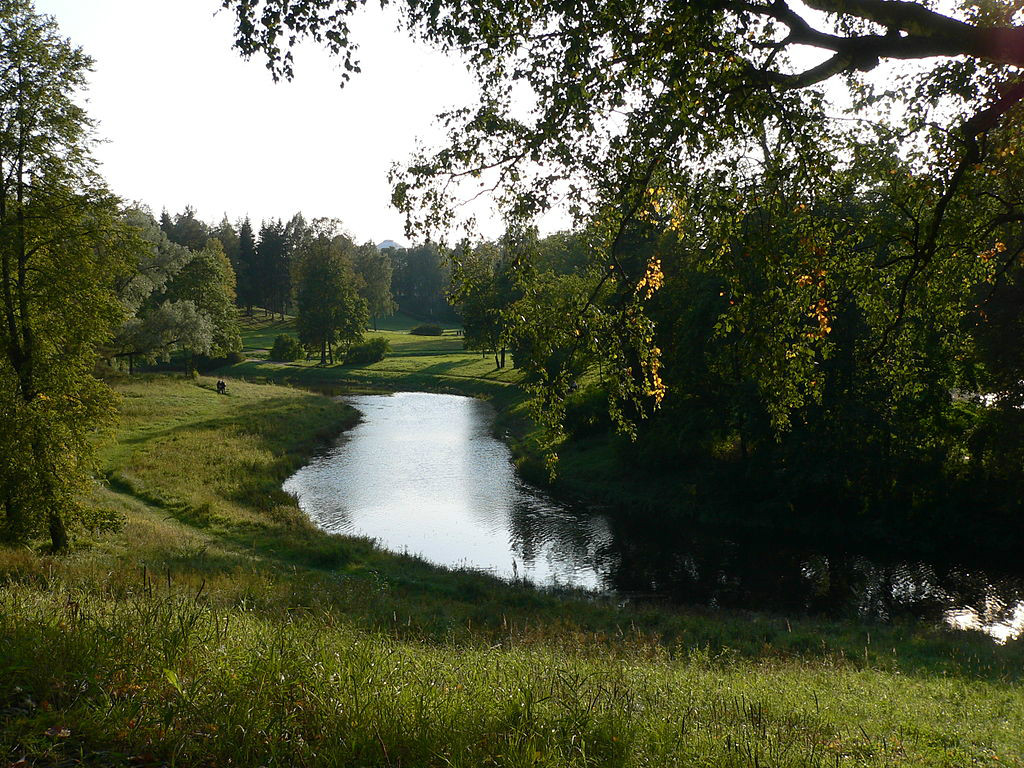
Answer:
(15, 520)
(502, 358)
(58, 533)
(323, 352)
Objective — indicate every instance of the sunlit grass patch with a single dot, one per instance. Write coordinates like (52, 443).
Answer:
(168, 670)
(218, 626)
(429, 363)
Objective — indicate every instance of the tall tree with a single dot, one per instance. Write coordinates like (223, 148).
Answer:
(189, 231)
(208, 282)
(483, 292)
(294, 234)
(420, 280)
(246, 272)
(272, 278)
(61, 247)
(648, 105)
(330, 310)
(228, 236)
(374, 267)
(154, 325)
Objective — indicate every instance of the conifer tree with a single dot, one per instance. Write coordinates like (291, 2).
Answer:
(246, 269)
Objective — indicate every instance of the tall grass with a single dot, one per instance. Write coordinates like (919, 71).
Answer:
(163, 674)
(218, 627)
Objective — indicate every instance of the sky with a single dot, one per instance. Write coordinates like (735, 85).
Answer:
(186, 121)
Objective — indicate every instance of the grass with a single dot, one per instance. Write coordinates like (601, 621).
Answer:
(219, 627)
(420, 363)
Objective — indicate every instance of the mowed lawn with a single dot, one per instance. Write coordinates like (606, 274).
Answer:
(425, 363)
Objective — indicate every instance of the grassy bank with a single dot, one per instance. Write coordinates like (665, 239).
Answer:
(218, 627)
(589, 468)
(416, 363)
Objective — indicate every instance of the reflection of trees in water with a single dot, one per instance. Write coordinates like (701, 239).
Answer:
(570, 541)
(763, 571)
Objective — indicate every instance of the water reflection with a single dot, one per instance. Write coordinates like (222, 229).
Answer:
(423, 474)
(761, 570)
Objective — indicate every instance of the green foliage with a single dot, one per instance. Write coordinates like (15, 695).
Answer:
(693, 118)
(62, 247)
(483, 289)
(427, 329)
(375, 270)
(187, 231)
(248, 292)
(273, 269)
(329, 308)
(286, 348)
(208, 282)
(370, 351)
(229, 239)
(420, 281)
(248, 637)
(176, 299)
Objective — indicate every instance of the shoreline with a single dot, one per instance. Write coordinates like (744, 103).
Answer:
(217, 625)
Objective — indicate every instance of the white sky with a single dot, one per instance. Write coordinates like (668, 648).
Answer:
(187, 121)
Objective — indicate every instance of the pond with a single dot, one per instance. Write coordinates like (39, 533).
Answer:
(424, 475)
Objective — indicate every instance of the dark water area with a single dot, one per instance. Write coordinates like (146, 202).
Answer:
(423, 474)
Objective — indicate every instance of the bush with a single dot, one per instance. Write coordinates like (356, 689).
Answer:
(427, 329)
(586, 412)
(370, 351)
(286, 348)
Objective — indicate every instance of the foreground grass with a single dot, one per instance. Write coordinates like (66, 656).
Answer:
(218, 627)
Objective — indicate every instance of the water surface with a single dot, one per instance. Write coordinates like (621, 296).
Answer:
(423, 474)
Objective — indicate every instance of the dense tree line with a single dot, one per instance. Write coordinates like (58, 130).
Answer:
(175, 299)
(266, 263)
(421, 281)
(911, 408)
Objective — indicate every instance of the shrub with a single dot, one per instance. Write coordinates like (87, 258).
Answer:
(427, 329)
(370, 351)
(286, 348)
(586, 412)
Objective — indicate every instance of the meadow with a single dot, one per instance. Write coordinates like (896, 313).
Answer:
(216, 626)
(419, 363)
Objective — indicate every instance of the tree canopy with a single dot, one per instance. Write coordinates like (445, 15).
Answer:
(330, 310)
(62, 245)
(691, 116)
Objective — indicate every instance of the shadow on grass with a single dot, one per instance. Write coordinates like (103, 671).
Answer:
(341, 380)
(411, 598)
